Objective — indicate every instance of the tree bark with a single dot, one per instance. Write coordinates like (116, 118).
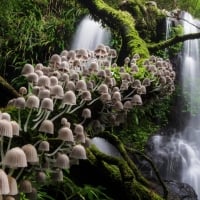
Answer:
(123, 23)
(131, 187)
(7, 92)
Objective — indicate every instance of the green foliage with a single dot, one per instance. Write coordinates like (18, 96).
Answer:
(30, 31)
(68, 190)
(93, 193)
(175, 49)
(144, 121)
(191, 6)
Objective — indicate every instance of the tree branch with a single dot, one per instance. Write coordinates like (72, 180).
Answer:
(133, 151)
(123, 23)
(7, 92)
(179, 38)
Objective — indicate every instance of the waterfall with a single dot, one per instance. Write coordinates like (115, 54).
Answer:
(106, 147)
(168, 27)
(177, 155)
(190, 83)
(89, 34)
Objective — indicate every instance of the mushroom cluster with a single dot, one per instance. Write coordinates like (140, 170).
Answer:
(76, 90)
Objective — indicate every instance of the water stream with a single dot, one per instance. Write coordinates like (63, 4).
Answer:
(179, 153)
(89, 34)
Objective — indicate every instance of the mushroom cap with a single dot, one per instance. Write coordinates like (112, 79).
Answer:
(78, 152)
(44, 81)
(103, 88)
(86, 95)
(32, 102)
(12, 185)
(57, 175)
(118, 106)
(62, 161)
(81, 85)
(78, 128)
(44, 146)
(136, 100)
(43, 93)
(23, 90)
(69, 98)
(5, 116)
(41, 177)
(47, 104)
(4, 184)
(15, 128)
(55, 59)
(20, 102)
(86, 113)
(31, 153)
(6, 128)
(53, 80)
(47, 126)
(57, 91)
(15, 157)
(65, 134)
(27, 69)
(65, 122)
(25, 186)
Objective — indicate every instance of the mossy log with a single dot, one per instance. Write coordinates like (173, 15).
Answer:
(122, 22)
(119, 170)
(7, 92)
(170, 42)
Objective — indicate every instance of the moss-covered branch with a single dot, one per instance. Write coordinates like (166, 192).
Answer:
(122, 22)
(133, 151)
(179, 38)
(135, 7)
(133, 189)
(113, 139)
(7, 92)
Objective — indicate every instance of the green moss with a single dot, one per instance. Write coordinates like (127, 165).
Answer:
(114, 172)
(175, 49)
(124, 23)
(145, 194)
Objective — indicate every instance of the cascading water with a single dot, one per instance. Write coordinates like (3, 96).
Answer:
(168, 27)
(180, 153)
(89, 34)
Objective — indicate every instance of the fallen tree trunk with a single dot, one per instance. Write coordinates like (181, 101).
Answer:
(7, 92)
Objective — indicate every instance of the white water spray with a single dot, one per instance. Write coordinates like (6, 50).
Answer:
(89, 34)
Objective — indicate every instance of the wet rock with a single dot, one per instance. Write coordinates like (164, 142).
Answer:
(177, 191)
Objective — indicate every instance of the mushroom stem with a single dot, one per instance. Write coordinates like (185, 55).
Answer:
(61, 113)
(91, 102)
(39, 116)
(44, 117)
(19, 119)
(27, 120)
(9, 143)
(128, 95)
(75, 109)
(56, 150)
(20, 173)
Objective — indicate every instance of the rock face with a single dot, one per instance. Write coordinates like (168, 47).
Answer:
(178, 191)
(181, 191)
